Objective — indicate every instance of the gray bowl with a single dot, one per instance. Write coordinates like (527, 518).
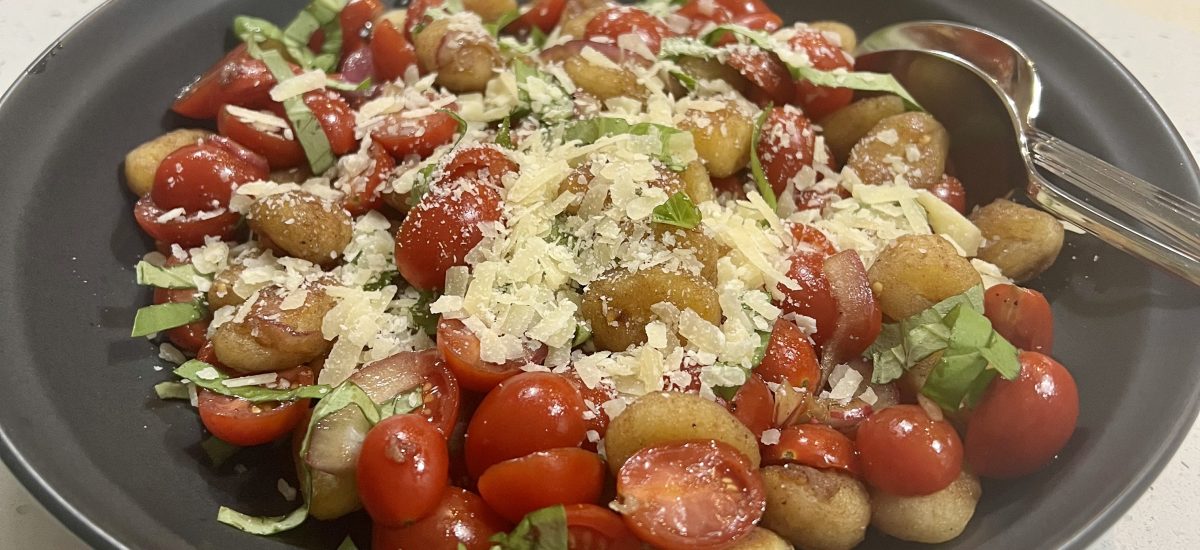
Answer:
(79, 423)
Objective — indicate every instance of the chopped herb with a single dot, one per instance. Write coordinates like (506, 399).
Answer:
(764, 338)
(384, 279)
(317, 15)
(582, 334)
(204, 375)
(343, 86)
(504, 134)
(160, 317)
(679, 210)
(252, 29)
(174, 277)
(496, 27)
(172, 390)
(308, 130)
(591, 130)
(421, 185)
(402, 404)
(544, 529)
(347, 544)
(420, 314)
(756, 168)
(462, 125)
(218, 451)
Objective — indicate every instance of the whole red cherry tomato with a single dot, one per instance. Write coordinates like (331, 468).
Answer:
(243, 423)
(544, 15)
(790, 358)
(1021, 315)
(391, 52)
(786, 145)
(402, 470)
(819, 101)
(952, 192)
(461, 519)
(813, 445)
(403, 136)
(356, 21)
(904, 452)
(186, 231)
(616, 21)
(700, 494)
(237, 79)
(516, 487)
(201, 177)
(591, 527)
(529, 412)
(754, 405)
(1020, 425)
(363, 195)
(460, 347)
(750, 13)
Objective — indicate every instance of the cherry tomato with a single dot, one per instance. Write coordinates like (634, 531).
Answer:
(593, 398)
(952, 192)
(1021, 315)
(859, 318)
(415, 136)
(391, 52)
(700, 494)
(483, 164)
(811, 239)
(355, 21)
(440, 396)
(620, 20)
(236, 79)
(281, 153)
(240, 422)
(702, 12)
(768, 21)
(460, 347)
(188, 230)
(335, 116)
(813, 297)
(820, 101)
(904, 452)
(529, 412)
(519, 486)
(754, 405)
(771, 78)
(461, 518)
(543, 15)
(1021, 424)
(786, 145)
(813, 445)
(591, 527)
(190, 337)
(363, 195)
(403, 470)
(790, 358)
(201, 178)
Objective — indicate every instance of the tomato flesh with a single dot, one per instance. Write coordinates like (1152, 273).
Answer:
(403, 470)
(813, 445)
(516, 487)
(530, 412)
(187, 231)
(403, 136)
(363, 195)
(904, 452)
(281, 153)
(952, 192)
(1021, 315)
(771, 78)
(754, 405)
(859, 318)
(355, 21)
(543, 15)
(813, 297)
(460, 518)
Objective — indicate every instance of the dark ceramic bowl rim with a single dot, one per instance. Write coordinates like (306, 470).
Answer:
(95, 536)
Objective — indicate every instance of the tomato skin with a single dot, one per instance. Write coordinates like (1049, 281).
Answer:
(543, 15)
(335, 116)
(530, 412)
(415, 136)
(754, 405)
(771, 78)
(750, 13)
(813, 445)
(403, 470)
(813, 298)
(201, 177)
(787, 145)
(591, 527)
(391, 51)
(236, 79)
(355, 21)
(1021, 315)
(460, 347)
(240, 422)
(280, 153)
(790, 358)
(460, 518)
(516, 487)
(952, 192)
(190, 337)
(363, 198)
(904, 452)
(819, 101)
(188, 231)
(619, 20)
(811, 239)
(1020, 425)
(698, 494)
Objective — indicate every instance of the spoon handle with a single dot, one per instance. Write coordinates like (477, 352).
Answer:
(1116, 206)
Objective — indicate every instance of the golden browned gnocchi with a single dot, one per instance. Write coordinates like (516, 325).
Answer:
(933, 518)
(917, 271)
(705, 249)
(275, 334)
(604, 80)
(1021, 241)
(912, 145)
(490, 10)
(697, 183)
(464, 60)
(618, 307)
(222, 292)
(846, 126)
(761, 539)
(672, 417)
(815, 509)
(142, 162)
(302, 225)
(722, 137)
(847, 38)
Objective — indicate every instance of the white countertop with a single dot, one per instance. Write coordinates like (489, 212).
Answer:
(1136, 31)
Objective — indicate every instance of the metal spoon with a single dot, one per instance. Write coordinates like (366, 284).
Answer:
(986, 91)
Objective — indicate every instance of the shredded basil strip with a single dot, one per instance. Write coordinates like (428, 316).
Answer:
(206, 376)
(218, 450)
(583, 333)
(343, 86)
(504, 134)
(591, 130)
(160, 317)
(252, 29)
(308, 130)
(384, 279)
(679, 210)
(421, 316)
(347, 544)
(318, 14)
(176, 277)
(756, 168)
(496, 27)
(462, 126)
(257, 525)
(544, 529)
(172, 390)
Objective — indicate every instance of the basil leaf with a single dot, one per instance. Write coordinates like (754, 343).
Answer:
(855, 80)
(403, 403)
(318, 14)
(504, 134)
(256, 30)
(496, 27)
(676, 47)
(888, 355)
(218, 451)
(175, 277)
(678, 211)
(756, 168)
(343, 86)
(462, 125)
(953, 376)
(760, 352)
(384, 279)
(582, 334)
(347, 544)
(172, 390)
(904, 344)
(590, 131)
(206, 376)
(544, 529)
(421, 186)
(421, 316)
(257, 525)
(308, 130)
(160, 317)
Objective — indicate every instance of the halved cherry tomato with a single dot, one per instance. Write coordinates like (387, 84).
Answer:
(699, 494)
(593, 399)
(616, 21)
(481, 164)
(192, 336)
(461, 519)
(403, 470)
(363, 195)
(591, 527)
(543, 15)
(904, 452)
(813, 445)
(355, 21)
(813, 297)
(335, 116)
(188, 230)
(403, 136)
(236, 79)
(201, 177)
(771, 78)
(811, 239)
(950, 190)
(786, 146)
(460, 347)
(1020, 425)
(820, 101)
(532, 411)
(742, 12)
(754, 405)
(1021, 315)
(768, 21)
(280, 152)
(516, 487)
(440, 394)
(790, 358)
(243, 423)
(859, 318)
(391, 52)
